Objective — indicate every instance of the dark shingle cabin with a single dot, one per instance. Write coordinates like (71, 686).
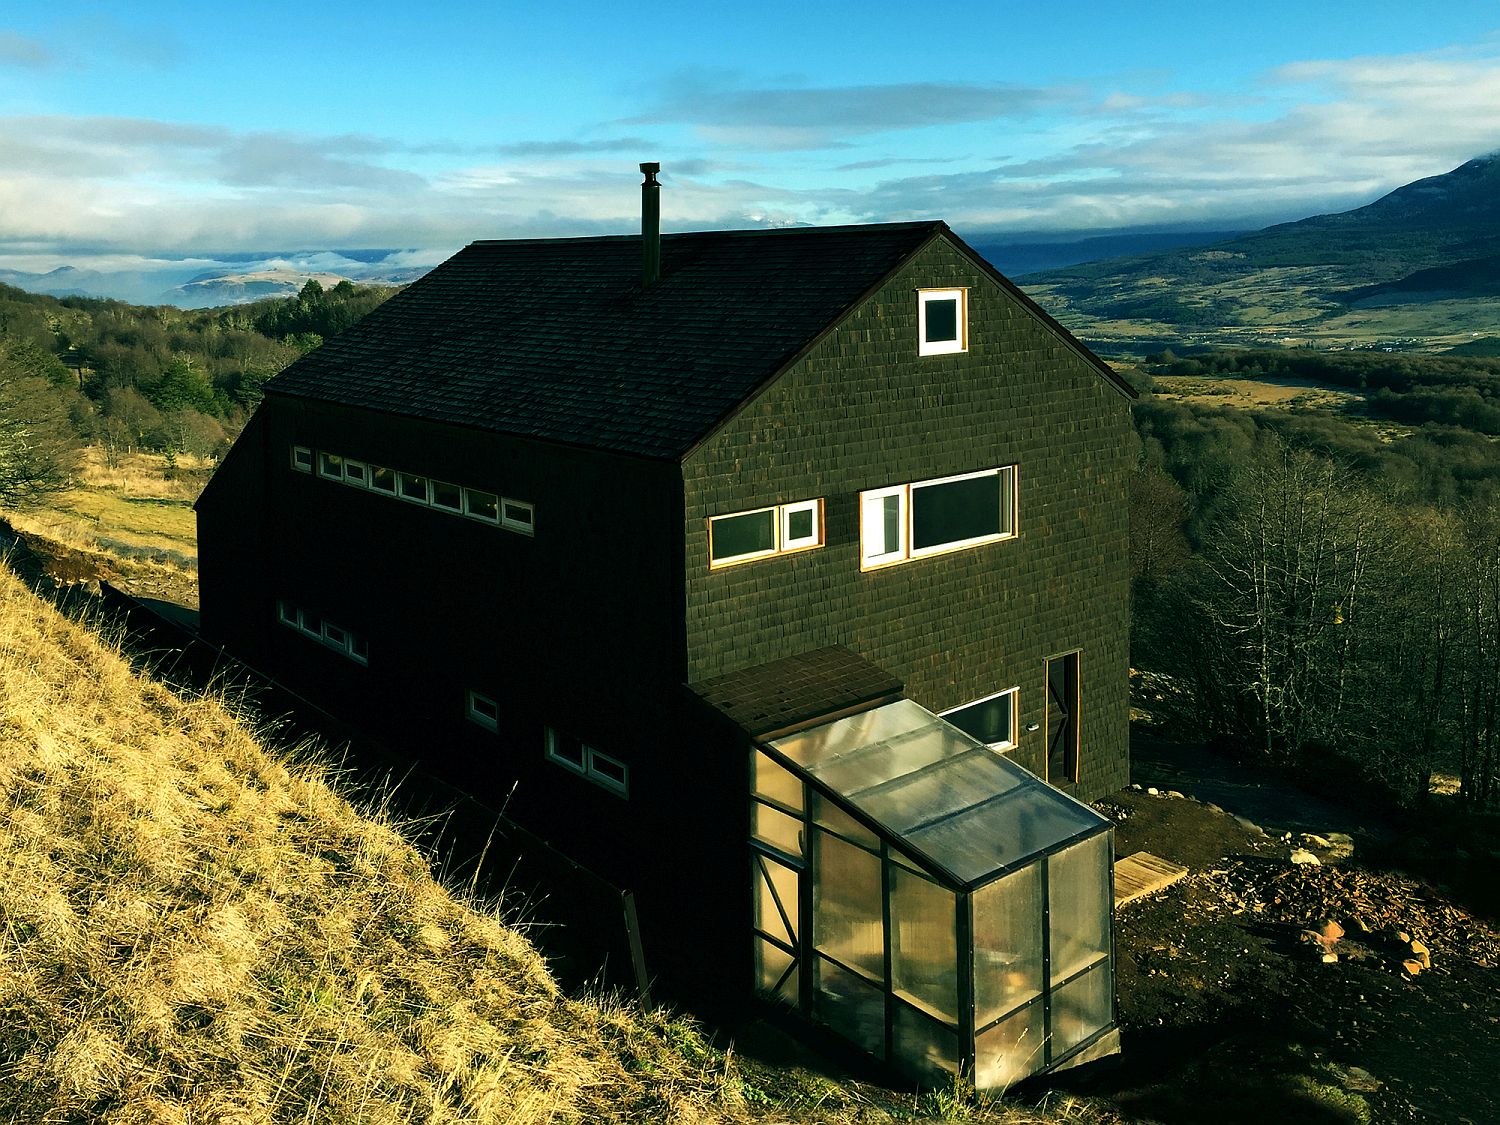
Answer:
(694, 564)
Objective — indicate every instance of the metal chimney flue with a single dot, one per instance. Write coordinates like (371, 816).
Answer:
(650, 226)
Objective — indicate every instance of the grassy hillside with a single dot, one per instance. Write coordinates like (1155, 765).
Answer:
(196, 930)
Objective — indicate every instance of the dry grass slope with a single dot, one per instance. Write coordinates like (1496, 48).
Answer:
(194, 930)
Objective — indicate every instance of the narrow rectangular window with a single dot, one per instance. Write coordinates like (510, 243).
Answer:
(289, 614)
(517, 515)
(882, 525)
(567, 751)
(302, 458)
(741, 536)
(356, 473)
(991, 720)
(445, 495)
(413, 487)
(482, 505)
(942, 321)
(484, 711)
(382, 479)
(608, 772)
(331, 465)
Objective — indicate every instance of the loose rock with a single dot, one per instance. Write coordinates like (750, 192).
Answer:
(1304, 858)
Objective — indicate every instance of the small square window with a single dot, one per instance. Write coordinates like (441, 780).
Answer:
(445, 495)
(517, 515)
(567, 751)
(302, 458)
(482, 505)
(356, 473)
(413, 487)
(942, 321)
(484, 711)
(801, 525)
(330, 465)
(335, 636)
(382, 479)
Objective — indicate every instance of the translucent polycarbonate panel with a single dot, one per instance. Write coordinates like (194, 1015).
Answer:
(921, 1048)
(924, 944)
(818, 744)
(775, 973)
(850, 1006)
(774, 827)
(1007, 944)
(776, 902)
(775, 783)
(830, 816)
(1011, 1050)
(848, 912)
(1002, 833)
(1080, 910)
(859, 771)
(1080, 1008)
(937, 791)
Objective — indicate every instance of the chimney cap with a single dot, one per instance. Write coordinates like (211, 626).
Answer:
(650, 169)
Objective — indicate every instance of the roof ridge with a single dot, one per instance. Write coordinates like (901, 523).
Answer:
(730, 232)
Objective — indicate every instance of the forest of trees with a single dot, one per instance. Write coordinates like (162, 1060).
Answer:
(75, 371)
(1319, 590)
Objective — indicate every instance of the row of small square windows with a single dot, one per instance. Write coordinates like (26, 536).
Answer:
(897, 523)
(487, 507)
(571, 753)
(568, 752)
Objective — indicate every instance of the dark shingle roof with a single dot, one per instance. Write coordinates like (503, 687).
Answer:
(556, 338)
(798, 689)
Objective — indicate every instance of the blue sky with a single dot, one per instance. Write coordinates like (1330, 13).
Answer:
(132, 128)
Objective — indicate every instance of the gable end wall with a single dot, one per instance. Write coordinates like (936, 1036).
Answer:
(863, 410)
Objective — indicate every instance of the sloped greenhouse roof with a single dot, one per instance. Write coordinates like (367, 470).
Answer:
(953, 803)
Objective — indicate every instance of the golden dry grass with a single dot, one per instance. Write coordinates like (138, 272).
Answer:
(192, 929)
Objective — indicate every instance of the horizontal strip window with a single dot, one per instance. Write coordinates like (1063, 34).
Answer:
(484, 711)
(778, 529)
(486, 507)
(931, 517)
(323, 631)
(991, 720)
(581, 758)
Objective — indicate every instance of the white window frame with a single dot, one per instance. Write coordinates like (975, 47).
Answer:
(1007, 475)
(394, 490)
(473, 513)
(432, 496)
(426, 497)
(868, 559)
(356, 473)
(943, 347)
(476, 705)
(327, 634)
(510, 523)
(324, 460)
(782, 542)
(786, 541)
(1015, 717)
(589, 767)
(299, 450)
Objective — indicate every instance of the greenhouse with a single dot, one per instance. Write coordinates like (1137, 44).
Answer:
(929, 901)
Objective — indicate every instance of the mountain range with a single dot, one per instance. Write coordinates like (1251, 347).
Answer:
(1420, 265)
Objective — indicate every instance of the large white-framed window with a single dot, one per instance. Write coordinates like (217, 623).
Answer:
(586, 761)
(481, 505)
(331, 465)
(931, 517)
(990, 719)
(942, 321)
(447, 496)
(483, 710)
(777, 529)
(382, 480)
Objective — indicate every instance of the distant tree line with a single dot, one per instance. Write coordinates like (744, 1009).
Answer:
(1319, 588)
(83, 370)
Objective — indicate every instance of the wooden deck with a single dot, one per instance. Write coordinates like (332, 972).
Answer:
(1142, 874)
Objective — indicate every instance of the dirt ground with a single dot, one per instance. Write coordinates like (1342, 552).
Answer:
(1229, 1011)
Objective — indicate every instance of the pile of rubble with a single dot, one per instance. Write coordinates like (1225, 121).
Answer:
(1385, 915)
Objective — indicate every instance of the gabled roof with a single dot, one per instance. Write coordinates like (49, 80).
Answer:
(555, 338)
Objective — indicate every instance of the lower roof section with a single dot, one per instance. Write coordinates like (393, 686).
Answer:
(783, 694)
